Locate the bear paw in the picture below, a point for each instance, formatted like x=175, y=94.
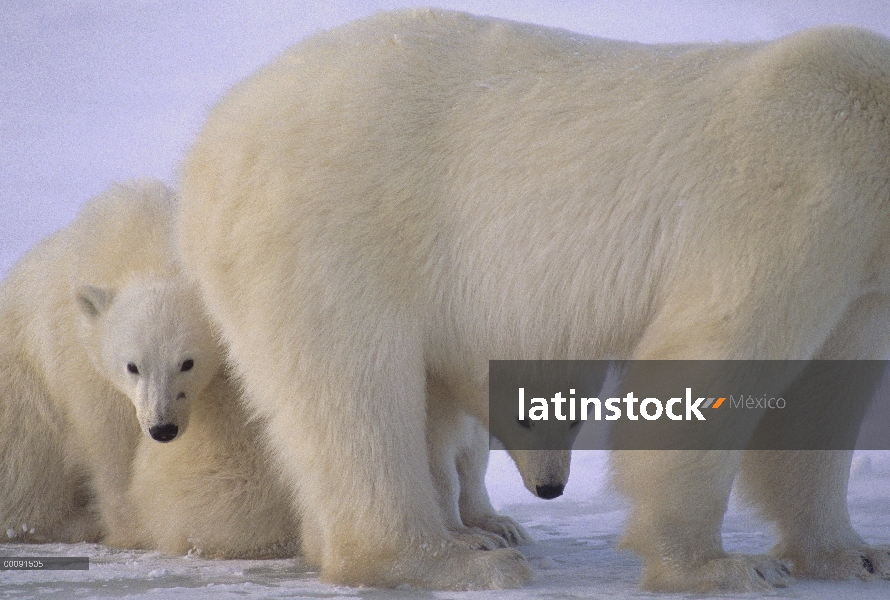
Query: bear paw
x=496, y=570
x=731, y=573
x=855, y=562
x=505, y=528
x=474, y=538
x=444, y=567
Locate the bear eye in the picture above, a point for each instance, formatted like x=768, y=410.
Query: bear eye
x=132, y=368
x=525, y=423
x=187, y=365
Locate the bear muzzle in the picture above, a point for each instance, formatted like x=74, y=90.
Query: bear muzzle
x=163, y=433
x=549, y=491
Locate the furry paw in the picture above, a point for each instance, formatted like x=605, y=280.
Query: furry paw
x=730, y=573
x=511, y=532
x=475, y=538
x=436, y=566
x=856, y=562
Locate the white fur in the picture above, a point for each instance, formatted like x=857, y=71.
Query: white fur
x=77, y=313
x=212, y=491
x=66, y=464
x=152, y=342
x=458, y=452
x=423, y=191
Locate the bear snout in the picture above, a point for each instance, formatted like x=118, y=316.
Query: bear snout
x=549, y=491
x=163, y=433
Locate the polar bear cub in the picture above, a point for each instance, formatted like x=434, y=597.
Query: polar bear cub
x=212, y=490
x=65, y=467
x=208, y=487
x=107, y=354
x=152, y=342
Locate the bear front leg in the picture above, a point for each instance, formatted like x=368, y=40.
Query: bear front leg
x=458, y=455
x=352, y=446
x=447, y=437
x=475, y=506
x=107, y=433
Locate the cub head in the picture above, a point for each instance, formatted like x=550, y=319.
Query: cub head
x=541, y=450
x=545, y=472
x=536, y=421
x=153, y=343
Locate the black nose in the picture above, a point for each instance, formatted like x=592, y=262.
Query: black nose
x=165, y=433
x=549, y=492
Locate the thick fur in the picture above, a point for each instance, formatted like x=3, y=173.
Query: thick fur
x=76, y=433
x=81, y=308
x=458, y=451
x=212, y=491
x=417, y=193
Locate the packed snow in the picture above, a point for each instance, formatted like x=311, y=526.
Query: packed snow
x=574, y=555
x=93, y=92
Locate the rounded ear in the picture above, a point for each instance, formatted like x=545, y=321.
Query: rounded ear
x=92, y=300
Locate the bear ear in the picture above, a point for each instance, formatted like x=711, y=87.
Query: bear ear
x=92, y=300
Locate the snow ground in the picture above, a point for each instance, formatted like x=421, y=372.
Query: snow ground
x=93, y=92
x=574, y=555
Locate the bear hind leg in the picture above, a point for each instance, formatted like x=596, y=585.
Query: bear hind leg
x=805, y=491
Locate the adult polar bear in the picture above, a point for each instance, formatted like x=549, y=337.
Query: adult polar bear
x=417, y=193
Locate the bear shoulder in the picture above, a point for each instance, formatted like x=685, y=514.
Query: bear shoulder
x=831, y=66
